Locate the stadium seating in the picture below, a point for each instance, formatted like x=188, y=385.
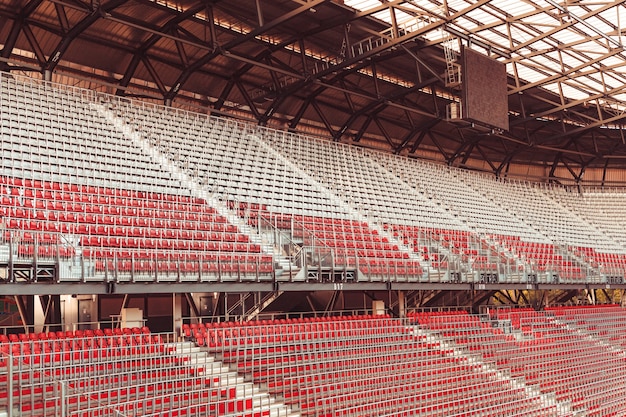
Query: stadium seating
x=434, y=222
x=123, y=232
x=546, y=351
x=121, y=372
x=565, y=361
x=365, y=366
x=119, y=224
x=351, y=244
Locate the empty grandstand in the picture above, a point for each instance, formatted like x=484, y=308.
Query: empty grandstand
x=312, y=208
x=514, y=362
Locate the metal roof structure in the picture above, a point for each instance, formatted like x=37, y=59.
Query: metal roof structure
x=368, y=72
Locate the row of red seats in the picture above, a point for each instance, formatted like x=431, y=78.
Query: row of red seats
x=41, y=219
x=168, y=244
x=254, y=211
x=341, y=366
x=181, y=256
x=112, y=371
x=230, y=267
x=128, y=226
x=30, y=206
x=151, y=260
x=349, y=258
x=18, y=183
x=135, y=227
x=292, y=325
x=386, y=271
x=225, y=243
x=349, y=238
x=602, y=260
x=68, y=334
x=555, y=356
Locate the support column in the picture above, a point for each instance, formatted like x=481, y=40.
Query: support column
x=401, y=304
x=39, y=312
x=26, y=307
x=48, y=313
x=177, y=312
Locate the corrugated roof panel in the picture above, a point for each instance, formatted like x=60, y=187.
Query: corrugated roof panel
x=495, y=37
x=541, y=20
x=530, y=74
x=574, y=92
x=513, y=8
x=484, y=17
x=465, y=23
x=594, y=85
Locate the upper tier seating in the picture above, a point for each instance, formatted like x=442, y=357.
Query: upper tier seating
x=454, y=225
x=603, y=209
x=106, y=220
x=237, y=168
x=352, y=244
x=449, y=187
x=123, y=232
x=350, y=174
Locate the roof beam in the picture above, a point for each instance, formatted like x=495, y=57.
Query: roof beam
x=588, y=127
x=154, y=74
x=583, y=22
x=247, y=99
x=421, y=129
x=32, y=40
x=180, y=47
x=323, y=117
x=565, y=74
x=16, y=27
x=564, y=26
x=298, y=116
x=363, y=129
x=187, y=72
x=73, y=33
x=397, y=41
x=391, y=45
x=418, y=141
x=561, y=107
x=401, y=92
x=485, y=158
x=441, y=149
x=62, y=16
x=407, y=138
x=156, y=36
x=384, y=132
x=10, y=43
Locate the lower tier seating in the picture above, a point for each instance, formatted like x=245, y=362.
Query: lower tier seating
x=128, y=372
x=522, y=362
x=549, y=350
x=365, y=366
x=339, y=242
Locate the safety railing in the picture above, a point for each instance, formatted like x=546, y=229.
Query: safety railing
x=325, y=366
x=84, y=258
x=60, y=376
